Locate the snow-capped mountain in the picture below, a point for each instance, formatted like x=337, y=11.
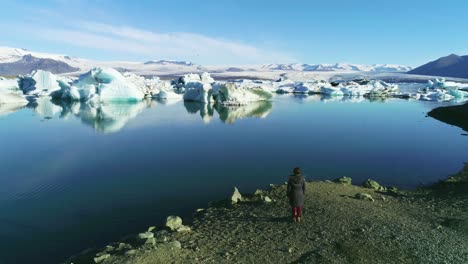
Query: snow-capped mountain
x=346, y=67
x=170, y=62
x=18, y=61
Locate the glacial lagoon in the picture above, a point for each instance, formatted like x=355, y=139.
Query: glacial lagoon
x=77, y=175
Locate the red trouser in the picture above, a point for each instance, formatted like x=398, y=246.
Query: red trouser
x=297, y=211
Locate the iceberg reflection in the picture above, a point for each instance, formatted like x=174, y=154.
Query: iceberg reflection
x=104, y=118
x=229, y=114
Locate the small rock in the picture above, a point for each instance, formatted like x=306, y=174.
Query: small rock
x=151, y=228
x=130, y=252
x=236, y=196
x=364, y=196
x=371, y=184
x=343, y=180
x=151, y=241
x=173, y=222
x=100, y=259
x=267, y=199
x=200, y=210
x=258, y=192
x=184, y=229
x=146, y=235
x=175, y=244
x=290, y=250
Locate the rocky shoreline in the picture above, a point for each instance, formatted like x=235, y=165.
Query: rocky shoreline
x=342, y=223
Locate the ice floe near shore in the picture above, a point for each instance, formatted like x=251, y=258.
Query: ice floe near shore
x=441, y=90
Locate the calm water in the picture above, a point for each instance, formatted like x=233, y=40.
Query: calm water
x=75, y=176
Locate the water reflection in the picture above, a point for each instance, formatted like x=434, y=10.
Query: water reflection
x=206, y=110
x=105, y=118
x=230, y=114
x=6, y=109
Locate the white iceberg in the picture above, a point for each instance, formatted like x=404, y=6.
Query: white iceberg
x=330, y=90
x=104, y=85
x=197, y=87
x=441, y=90
x=230, y=94
x=38, y=83
x=12, y=98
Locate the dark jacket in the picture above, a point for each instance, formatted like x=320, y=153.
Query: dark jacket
x=296, y=190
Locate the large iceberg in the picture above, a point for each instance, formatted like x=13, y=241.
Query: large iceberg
x=196, y=87
x=230, y=94
x=38, y=83
x=104, y=85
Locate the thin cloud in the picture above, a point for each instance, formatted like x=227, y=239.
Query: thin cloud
x=174, y=45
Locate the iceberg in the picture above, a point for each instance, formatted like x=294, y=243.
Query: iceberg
x=230, y=94
x=38, y=83
x=196, y=87
x=103, y=85
x=331, y=90
x=441, y=90
x=12, y=98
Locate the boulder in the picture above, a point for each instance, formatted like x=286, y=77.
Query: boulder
x=146, y=235
x=364, y=196
x=236, y=196
x=258, y=192
x=371, y=184
x=101, y=258
x=184, y=229
x=175, y=245
x=173, y=222
x=267, y=199
x=343, y=180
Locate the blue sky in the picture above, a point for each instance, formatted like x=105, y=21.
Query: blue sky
x=239, y=31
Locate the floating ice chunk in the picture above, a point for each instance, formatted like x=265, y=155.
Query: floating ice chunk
x=12, y=98
x=39, y=83
x=308, y=87
x=196, y=87
x=230, y=94
x=331, y=91
x=163, y=94
x=103, y=84
x=441, y=90
x=198, y=92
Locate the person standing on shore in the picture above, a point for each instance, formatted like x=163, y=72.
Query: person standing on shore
x=295, y=193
